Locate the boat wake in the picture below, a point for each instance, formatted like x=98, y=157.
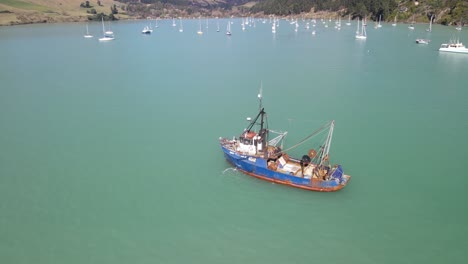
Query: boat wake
x=229, y=170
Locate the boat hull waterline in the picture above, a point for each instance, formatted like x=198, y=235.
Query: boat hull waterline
x=256, y=167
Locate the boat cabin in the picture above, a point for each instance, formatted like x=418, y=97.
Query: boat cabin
x=251, y=142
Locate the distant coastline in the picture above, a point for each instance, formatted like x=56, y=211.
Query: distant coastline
x=20, y=12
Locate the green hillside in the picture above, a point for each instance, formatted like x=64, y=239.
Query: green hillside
x=446, y=12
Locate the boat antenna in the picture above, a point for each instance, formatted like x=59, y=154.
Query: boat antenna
x=260, y=96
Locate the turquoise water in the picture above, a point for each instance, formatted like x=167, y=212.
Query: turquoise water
x=109, y=151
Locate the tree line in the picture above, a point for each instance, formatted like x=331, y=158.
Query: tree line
x=444, y=11
x=448, y=10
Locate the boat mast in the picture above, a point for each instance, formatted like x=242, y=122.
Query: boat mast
x=260, y=95
x=326, y=148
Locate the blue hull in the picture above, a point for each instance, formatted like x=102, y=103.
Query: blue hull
x=257, y=167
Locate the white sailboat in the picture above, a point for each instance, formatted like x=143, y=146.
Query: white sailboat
x=273, y=27
x=394, y=22
x=181, y=28
x=380, y=19
x=411, y=26
x=109, y=31
x=173, y=22
x=199, y=32
x=459, y=28
x=217, y=21
x=362, y=34
x=349, y=21
x=430, y=24
x=87, y=33
x=106, y=37
x=228, y=29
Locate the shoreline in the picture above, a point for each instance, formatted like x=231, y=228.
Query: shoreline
x=26, y=18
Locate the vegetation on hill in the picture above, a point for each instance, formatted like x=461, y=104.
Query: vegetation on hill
x=444, y=11
x=33, y=11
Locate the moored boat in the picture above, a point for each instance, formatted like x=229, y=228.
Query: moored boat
x=256, y=154
x=146, y=30
x=456, y=47
x=423, y=41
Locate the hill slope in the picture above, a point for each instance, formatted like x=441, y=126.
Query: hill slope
x=44, y=11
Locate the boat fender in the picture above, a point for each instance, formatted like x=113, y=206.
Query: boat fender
x=312, y=153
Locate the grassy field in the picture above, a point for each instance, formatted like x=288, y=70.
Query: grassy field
x=40, y=11
x=16, y=4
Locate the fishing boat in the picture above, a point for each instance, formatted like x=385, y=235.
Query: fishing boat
x=456, y=47
x=256, y=154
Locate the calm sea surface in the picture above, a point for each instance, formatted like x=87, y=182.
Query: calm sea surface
x=109, y=151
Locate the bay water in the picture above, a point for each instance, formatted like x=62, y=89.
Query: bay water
x=110, y=154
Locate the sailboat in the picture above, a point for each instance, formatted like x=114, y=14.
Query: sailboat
x=199, y=32
x=430, y=24
x=349, y=21
x=412, y=24
x=181, y=28
x=459, y=28
x=273, y=27
x=362, y=34
x=380, y=19
x=87, y=33
x=394, y=22
x=109, y=31
x=257, y=154
x=217, y=22
x=173, y=22
x=106, y=37
x=228, y=29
